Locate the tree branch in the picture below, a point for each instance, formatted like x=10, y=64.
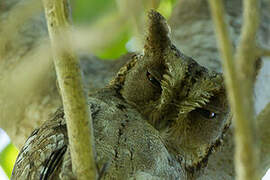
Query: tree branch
x=264, y=135
x=246, y=150
x=240, y=97
x=263, y=52
x=224, y=44
x=77, y=113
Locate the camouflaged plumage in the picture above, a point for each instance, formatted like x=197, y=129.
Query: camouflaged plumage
x=160, y=118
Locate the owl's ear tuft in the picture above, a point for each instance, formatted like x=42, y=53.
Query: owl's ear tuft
x=157, y=38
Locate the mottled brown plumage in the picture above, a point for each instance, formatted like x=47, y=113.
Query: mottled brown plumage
x=160, y=117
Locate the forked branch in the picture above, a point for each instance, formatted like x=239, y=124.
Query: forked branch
x=240, y=97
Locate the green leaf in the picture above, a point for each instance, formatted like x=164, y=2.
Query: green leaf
x=7, y=158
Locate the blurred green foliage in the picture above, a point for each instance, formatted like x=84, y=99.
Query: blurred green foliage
x=85, y=11
x=7, y=158
x=165, y=7
x=117, y=47
x=88, y=11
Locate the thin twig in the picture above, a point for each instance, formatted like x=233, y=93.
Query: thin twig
x=77, y=113
x=240, y=96
x=261, y=52
x=224, y=45
x=262, y=121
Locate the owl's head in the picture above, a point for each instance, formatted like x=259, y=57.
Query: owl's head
x=183, y=100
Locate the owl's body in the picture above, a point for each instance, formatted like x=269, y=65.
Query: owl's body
x=160, y=118
x=121, y=137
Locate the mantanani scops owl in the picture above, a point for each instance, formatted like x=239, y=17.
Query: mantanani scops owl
x=159, y=118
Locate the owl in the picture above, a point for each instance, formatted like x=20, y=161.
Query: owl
x=160, y=118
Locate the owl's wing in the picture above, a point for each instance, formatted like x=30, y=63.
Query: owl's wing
x=43, y=151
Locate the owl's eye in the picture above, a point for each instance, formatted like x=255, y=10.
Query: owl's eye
x=206, y=113
x=152, y=79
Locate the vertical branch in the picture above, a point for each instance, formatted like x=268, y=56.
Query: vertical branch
x=263, y=124
x=246, y=152
x=240, y=85
x=263, y=52
x=225, y=47
x=77, y=113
